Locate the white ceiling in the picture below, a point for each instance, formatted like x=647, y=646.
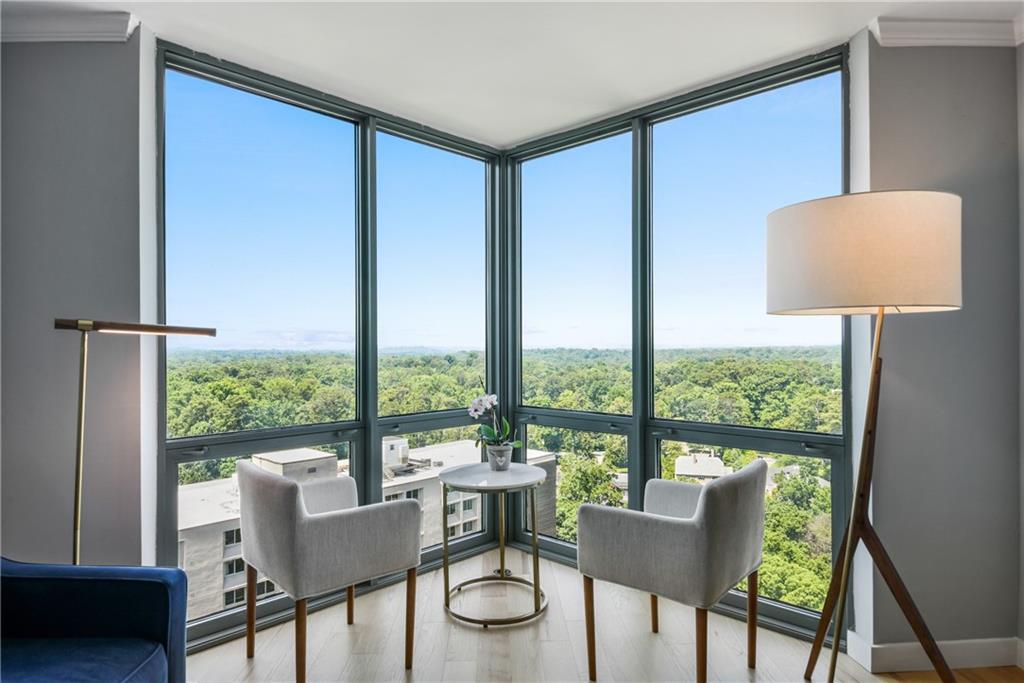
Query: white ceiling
x=502, y=73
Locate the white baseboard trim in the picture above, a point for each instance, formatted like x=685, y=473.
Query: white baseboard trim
x=960, y=654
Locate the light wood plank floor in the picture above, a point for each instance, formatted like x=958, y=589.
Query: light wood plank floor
x=552, y=648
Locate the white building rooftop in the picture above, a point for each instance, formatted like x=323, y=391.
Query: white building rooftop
x=701, y=465
x=211, y=502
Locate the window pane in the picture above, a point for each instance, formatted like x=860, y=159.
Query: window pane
x=797, y=562
x=209, y=531
x=717, y=173
x=431, y=277
x=576, y=227
x=411, y=464
x=260, y=243
x=583, y=467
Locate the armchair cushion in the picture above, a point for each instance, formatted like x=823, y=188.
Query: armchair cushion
x=671, y=498
x=328, y=494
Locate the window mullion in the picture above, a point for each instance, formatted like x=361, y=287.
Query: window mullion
x=367, y=464
x=640, y=468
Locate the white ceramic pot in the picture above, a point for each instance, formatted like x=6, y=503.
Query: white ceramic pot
x=499, y=457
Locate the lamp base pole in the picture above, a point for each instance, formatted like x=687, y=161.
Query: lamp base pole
x=861, y=529
x=83, y=367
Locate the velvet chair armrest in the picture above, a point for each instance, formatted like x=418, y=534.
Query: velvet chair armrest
x=66, y=601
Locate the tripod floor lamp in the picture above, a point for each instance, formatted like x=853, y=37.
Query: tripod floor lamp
x=860, y=254
x=86, y=327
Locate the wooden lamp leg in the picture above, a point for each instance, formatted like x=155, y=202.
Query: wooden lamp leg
x=860, y=529
x=350, y=604
x=654, y=613
x=827, y=608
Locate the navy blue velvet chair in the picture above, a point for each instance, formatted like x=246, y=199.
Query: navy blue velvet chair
x=66, y=623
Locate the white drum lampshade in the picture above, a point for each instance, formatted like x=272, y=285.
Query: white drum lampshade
x=852, y=254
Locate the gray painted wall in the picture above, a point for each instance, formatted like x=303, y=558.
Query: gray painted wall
x=946, y=495
x=70, y=248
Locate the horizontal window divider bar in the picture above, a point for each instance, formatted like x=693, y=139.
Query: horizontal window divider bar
x=417, y=422
x=817, y=439
x=827, y=446
x=718, y=93
x=206, y=65
x=243, y=443
x=595, y=422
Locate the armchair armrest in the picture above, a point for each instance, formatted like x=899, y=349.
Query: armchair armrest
x=66, y=601
x=328, y=494
x=671, y=498
x=344, y=547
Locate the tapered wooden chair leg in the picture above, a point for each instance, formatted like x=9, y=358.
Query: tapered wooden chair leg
x=300, y=641
x=654, y=613
x=588, y=613
x=250, y=611
x=702, y=645
x=752, y=620
x=410, y=615
x=350, y=604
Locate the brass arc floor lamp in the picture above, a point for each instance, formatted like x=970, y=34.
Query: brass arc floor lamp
x=85, y=327
x=860, y=254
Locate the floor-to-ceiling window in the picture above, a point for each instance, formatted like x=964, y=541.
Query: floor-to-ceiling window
x=719, y=359
x=644, y=347
x=260, y=237
x=576, y=353
x=366, y=284
x=344, y=262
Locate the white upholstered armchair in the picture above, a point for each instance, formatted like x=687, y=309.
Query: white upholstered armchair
x=691, y=544
x=312, y=538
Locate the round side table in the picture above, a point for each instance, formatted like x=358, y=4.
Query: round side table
x=480, y=478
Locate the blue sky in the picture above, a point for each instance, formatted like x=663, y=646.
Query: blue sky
x=261, y=226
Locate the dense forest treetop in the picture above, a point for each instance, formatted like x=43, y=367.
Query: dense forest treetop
x=797, y=388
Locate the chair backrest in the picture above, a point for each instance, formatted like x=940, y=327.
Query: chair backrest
x=733, y=510
x=270, y=513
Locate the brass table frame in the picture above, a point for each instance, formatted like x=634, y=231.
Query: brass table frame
x=540, y=600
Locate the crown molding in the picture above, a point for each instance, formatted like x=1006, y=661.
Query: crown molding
x=63, y=26
x=913, y=33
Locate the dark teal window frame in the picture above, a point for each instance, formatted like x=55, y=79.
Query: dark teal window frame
x=364, y=433
x=644, y=432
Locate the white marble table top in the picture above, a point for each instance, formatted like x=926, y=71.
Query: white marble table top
x=480, y=477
